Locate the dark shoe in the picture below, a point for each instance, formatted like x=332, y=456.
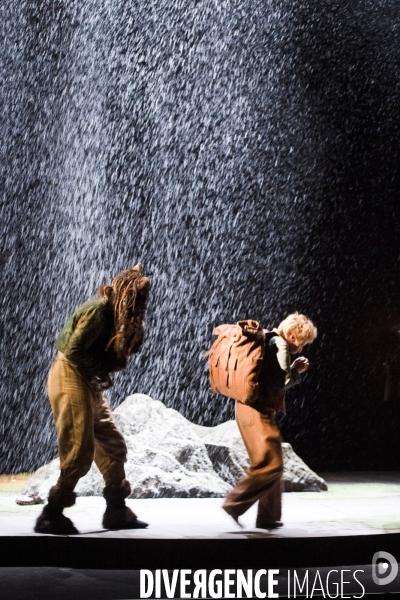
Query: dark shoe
x=122, y=518
x=266, y=523
x=54, y=522
x=230, y=512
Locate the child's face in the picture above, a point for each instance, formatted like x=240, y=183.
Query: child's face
x=295, y=345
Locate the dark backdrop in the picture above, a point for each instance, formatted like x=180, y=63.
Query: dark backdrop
x=247, y=153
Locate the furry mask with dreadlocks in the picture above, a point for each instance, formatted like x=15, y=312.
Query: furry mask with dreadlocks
x=128, y=293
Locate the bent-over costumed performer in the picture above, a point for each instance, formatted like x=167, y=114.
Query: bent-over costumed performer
x=257, y=424
x=96, y=341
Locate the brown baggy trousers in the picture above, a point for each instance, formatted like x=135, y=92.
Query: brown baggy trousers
x=85, y=428
x=262, y=439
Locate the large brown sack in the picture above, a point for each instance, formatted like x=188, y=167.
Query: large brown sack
x=235, y=360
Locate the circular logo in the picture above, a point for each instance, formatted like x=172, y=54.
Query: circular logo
x=385, y=571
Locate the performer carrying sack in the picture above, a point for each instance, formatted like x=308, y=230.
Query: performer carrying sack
x=254, y=367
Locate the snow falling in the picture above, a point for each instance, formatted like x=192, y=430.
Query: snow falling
x=246, y=153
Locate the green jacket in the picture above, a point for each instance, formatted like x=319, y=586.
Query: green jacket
x=85, y=336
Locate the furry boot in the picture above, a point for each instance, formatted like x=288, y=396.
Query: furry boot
x=118, y=515
x=51, y=520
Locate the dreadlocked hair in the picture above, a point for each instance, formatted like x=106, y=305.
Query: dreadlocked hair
x=128, y=294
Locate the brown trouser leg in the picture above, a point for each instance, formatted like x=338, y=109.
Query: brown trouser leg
x=110, y=448
x=85, y=428
x=263, y=480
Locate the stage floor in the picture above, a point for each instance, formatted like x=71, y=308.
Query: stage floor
x=344, y=525
x=355, y=504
